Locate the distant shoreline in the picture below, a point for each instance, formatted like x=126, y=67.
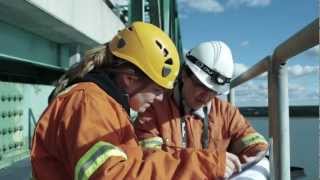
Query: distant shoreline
x=294, y=111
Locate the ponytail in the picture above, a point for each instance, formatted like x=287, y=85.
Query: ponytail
x=99, y=57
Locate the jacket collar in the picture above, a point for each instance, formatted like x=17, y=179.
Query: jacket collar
x=104, y=82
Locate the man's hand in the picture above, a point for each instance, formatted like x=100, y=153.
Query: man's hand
x=232, y=164
x=249, y=159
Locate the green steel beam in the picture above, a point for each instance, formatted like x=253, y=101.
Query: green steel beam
x=162, y=13
x=14, y=69
x=165, y=15
x=178, y=40
x=176, y=32
x=27, y=57
x=136, y=10
x=173, y=15
x=23, y=44
x=155, y=13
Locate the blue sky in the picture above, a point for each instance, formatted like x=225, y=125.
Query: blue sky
x=253, y=29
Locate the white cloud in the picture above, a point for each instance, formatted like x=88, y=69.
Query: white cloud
x=238, y=69
x=253, y=89
x=203, y=5
x=301, y=70
x=263, y=75
x=252, y=93
x=294, y=71
x=296, y=88
x=255, y=92
x=244, y=43
x=313, y=52
x=214, y=6
x=248, y=3
x=301, y=92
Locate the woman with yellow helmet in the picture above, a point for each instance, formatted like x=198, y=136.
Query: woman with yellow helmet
x=85, y=132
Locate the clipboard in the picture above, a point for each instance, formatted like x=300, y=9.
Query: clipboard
x=250, y=164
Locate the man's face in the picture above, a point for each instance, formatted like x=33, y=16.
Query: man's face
x=194, y=92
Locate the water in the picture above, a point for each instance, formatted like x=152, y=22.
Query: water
x=304, y=142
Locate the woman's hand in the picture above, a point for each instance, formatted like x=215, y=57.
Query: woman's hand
x=233, y=164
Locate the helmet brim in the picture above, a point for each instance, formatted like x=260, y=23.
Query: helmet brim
x=205, y=79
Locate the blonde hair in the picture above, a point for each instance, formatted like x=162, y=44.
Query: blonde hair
x=99, y=57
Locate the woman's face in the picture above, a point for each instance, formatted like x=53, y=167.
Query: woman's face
x=143, y=99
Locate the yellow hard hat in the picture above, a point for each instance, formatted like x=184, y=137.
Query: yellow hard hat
x=150, y=49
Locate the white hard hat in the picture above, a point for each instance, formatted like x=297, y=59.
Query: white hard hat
x=212, y=63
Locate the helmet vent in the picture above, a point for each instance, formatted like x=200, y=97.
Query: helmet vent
x=166, y=71
x=159, y=44
x=121, y=43
x=169, y=61
x=165, y=52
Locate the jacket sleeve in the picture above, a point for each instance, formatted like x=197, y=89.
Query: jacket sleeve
x=100, y=143
x=245, y=140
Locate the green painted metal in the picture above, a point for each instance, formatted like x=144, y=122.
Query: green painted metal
x=22, y=47
x=136, y=10
x=178, y=40
x=18, y=114
x=162, y=13
x=155, y=13
x=23, y=44
x=64, y=52
x=11, y=138
x=14, y=69
x=165, y=8
x=173, y=17
x=32, y=60
x=26, y=57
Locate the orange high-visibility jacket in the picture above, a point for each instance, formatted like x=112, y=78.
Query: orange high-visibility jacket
x=228, y=129
x=86, y=134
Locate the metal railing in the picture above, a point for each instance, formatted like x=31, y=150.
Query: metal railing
x=275, y=64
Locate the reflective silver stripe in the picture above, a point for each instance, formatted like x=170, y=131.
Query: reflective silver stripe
x=205, y=132
x=154, y=142
x=94, y=158
x=183, y=128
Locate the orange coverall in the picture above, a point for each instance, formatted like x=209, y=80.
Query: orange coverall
x=228, y=130
x=86, y=134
